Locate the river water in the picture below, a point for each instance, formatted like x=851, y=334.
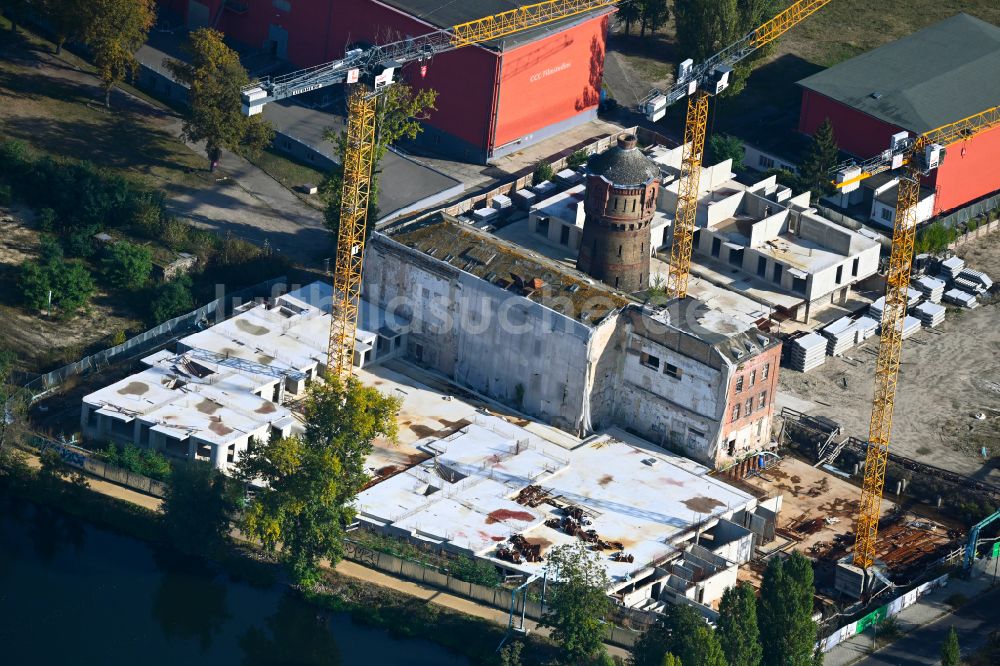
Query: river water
x=72, y=593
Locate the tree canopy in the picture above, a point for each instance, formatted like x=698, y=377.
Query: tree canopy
x=683, y=634
x=400, y=112
x=737, y=626
x=127, y=266
x=951, y=654
x=69, y=282
x=214, y=115
x=310, y=481
x=171, y=299
x=723, y=147
x=784, y=611
x=114, y=32
x=704, y=27
x=577, y=603
x=68, y=19
x=197, y=507
x=815, y=171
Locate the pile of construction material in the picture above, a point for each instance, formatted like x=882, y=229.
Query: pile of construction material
x=845, y=332
x=973, y=282
x=525, y=198
x=808, y=352
x=875, y=309
x=502, y=202
x=950, y=268
x=931, y=288
x=930, y=314
x=910, y=326
x=962, y=298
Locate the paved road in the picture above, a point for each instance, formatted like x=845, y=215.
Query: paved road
x=922, y=646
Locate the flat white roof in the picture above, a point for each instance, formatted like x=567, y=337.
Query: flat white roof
x=563, y=205
x=464, y=496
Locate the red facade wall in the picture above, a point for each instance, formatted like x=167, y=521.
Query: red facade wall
x=542, y=83
x=551, y=80
x=770, y=358
x=971, y=169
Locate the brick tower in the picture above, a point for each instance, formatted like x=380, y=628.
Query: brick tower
x=622, y=184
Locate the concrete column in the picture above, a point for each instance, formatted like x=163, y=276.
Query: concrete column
x=219, y=455
x=192, y=448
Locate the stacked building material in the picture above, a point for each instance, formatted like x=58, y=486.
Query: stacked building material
x=808, y=352
x=929, y=314
x=840, y=335
x=950, y=268
x=525, y=198
x=910, y=326
x=977, y=277
x=502, y=202
x=865, y=327
x=481, y=215
x=569, y=177
x=875, y=309
x=931, y=288
x=959, y=297
x=546, y=188
x=968, y=285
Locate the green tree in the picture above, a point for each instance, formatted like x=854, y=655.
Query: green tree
x=951, y=654
x=577, y=603
x=704, y=27
x=214, y=113
x=630, y=13
x=510, y=655
x=820, y=161
x=171, y=299
x=653, y=15
x=15, y=11
x=577, y=158
x=127, y=266
x=68, y=281
x=400, y=114
x=737, y=626
x=67, y=18
x=671, y=660
x=751, y=14
x=197, y=508
x=683, y=633
x=784, y=613
x=723, y=147
x=114, y=32
x=310, y=481
x=543, y=172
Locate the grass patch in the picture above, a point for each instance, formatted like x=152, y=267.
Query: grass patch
x=290, y=173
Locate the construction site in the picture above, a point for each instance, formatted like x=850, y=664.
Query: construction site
x=690, y=368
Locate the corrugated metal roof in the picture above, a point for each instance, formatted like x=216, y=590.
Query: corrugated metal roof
x=943, y=73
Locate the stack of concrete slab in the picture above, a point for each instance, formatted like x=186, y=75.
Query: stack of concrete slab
x=963, y=298
x=865, y=327
x=968, y=286
x=502, y=202
x=544, y=189
x=525, y=198
x=485, y=215
x=840, y=336
x=977, y=277
x=950, y=268
x=931, y=288
x=910, y=326
x=808, y=352
x=929, y=314
x=875, y=309
x=569, y=177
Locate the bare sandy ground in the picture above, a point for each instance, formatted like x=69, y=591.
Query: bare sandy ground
x=948, y=378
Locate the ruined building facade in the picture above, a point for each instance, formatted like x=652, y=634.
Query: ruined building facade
x=622, y=186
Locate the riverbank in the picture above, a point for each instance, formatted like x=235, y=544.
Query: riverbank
x=363, y=599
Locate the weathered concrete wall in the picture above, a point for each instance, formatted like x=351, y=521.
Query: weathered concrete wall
x=491, y=340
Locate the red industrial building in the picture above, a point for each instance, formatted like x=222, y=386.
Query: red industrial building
x=493, y=99
x=939, y=75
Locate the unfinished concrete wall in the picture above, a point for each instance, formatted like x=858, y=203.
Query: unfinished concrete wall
x=484, y=337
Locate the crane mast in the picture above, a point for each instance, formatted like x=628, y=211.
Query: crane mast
x=918, y=156
x=698, y=83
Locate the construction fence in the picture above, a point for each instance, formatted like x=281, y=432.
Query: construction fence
x=504, y=599
x=86, y=460
x=212, y=312
x=880, y=614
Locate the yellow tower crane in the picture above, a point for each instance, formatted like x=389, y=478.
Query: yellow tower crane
x=698, y=83
x=370, y=71
x=918, y=156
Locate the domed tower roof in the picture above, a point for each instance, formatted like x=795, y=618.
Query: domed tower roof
x=624, y=165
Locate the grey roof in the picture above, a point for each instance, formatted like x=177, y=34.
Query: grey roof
x=447, y=13
x=943, y=73
x=623, y=166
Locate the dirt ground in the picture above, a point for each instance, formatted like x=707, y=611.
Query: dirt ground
x=40, y=341
x=949, y=378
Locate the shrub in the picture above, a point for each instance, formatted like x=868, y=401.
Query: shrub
x=577, y=158
x=174, y=233
x=127, y=266
x=543, y=172
x=5, y=195
x=47, y=219
x=475, y=571
x=69, y=282
x=140, y=461
x=723, y=147
x=171, y=299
